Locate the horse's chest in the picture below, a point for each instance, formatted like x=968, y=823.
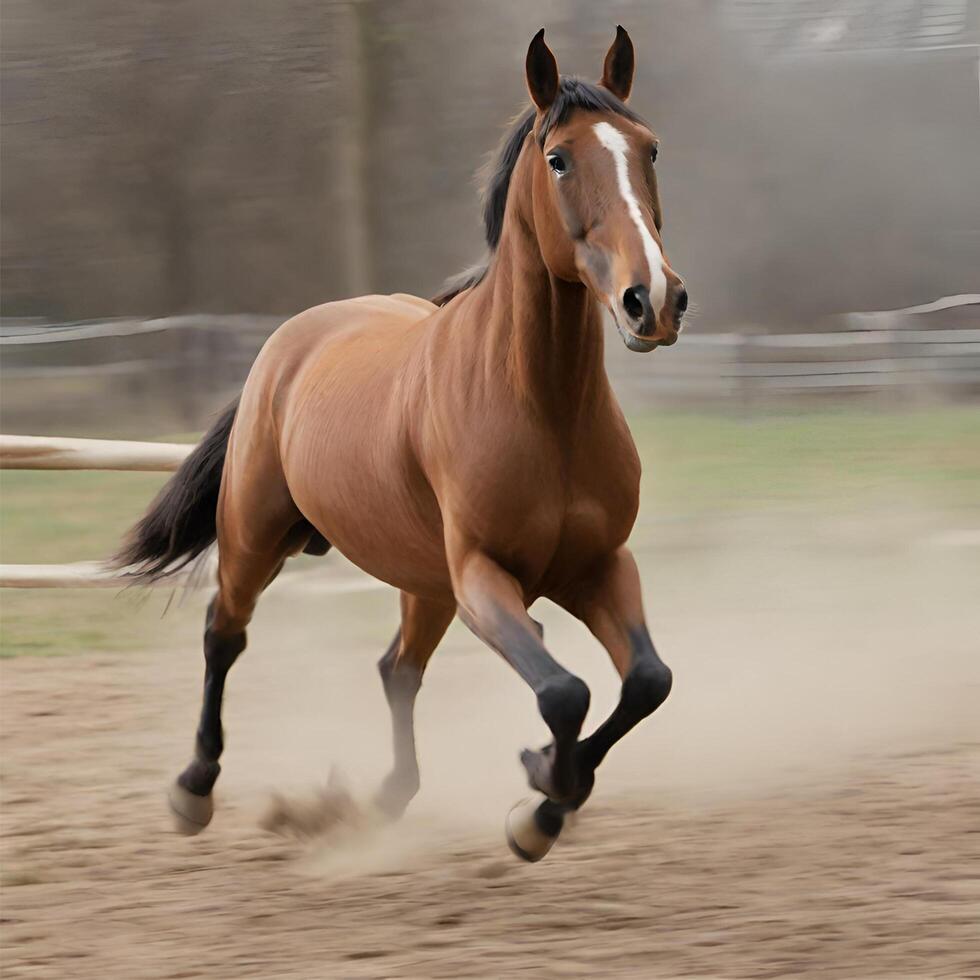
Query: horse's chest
x=591, y=527
x=543, y=514
x=584, y=523
x=574, y=538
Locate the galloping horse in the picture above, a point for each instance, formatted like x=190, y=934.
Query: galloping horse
x=468, y=451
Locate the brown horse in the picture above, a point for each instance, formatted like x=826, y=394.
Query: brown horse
x=469, y=452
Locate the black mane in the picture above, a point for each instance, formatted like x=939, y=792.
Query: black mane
x=573, y=93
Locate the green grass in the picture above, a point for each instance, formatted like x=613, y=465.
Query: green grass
x=52, y=622
x=836, y=459
x=695, y=463
x=63, y=516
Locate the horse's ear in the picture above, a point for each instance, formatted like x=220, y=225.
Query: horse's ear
x=542, y=72
x=617, y=70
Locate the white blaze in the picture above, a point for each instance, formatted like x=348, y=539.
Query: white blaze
x=614, y=141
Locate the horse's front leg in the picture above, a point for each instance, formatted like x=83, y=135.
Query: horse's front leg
x=609, y=602
x=492, y=604
x=611, y=605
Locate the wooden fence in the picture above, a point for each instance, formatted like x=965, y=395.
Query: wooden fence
x=173, y=371
x=39, y=453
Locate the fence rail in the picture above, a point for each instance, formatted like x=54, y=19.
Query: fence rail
x=75, y=575
x=178, y=363
x=940, y=363
x=44, y=453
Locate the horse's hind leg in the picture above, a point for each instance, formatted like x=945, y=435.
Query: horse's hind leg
x=423, y=625
x=257, y=531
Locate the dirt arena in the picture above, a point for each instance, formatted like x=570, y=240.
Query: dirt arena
x=806, y=804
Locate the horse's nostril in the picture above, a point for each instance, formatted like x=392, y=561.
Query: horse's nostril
x=633, y=302
x=680, y=304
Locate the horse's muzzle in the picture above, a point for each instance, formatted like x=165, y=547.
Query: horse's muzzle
x=643, y=328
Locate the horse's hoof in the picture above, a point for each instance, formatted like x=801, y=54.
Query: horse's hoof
x=524, y=834
x=192, y=813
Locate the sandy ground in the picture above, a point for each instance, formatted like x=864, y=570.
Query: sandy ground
x=807, y=803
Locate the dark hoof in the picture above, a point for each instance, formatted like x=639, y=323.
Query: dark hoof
x=524, y=834
x=192, y=813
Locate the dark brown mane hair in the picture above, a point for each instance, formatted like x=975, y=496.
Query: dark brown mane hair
x=573, y=93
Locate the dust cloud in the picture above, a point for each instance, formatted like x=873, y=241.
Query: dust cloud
x=804, y=802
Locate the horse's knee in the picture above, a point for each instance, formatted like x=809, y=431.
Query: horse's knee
x=646, y=686
x=564, y=702
x=233, y=605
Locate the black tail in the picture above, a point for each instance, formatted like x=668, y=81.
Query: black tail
x=181, y=522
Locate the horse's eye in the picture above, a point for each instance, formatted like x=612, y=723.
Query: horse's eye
x=653, y=155
x=557, y=164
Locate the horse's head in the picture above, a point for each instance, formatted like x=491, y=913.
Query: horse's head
x=596, y=210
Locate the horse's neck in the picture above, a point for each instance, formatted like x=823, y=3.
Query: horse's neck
x=542, y=334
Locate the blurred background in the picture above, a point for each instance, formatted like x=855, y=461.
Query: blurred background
x=189, y=157
x=179, y=177
x=164, y=159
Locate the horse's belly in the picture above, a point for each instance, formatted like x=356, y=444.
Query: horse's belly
x=385, y=521
x=409, y=558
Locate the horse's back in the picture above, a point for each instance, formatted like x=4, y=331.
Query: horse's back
x=359, y=335
x=304, y=335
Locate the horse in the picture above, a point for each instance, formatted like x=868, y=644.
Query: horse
x=468, y=451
